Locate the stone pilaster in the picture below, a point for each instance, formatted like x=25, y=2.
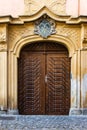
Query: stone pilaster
x=3, y=67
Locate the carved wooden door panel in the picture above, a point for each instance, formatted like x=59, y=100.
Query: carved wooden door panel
x=58, y=84
x=44, y=80
x=31, y=84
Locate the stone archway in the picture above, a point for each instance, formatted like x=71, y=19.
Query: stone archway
x=15, y=53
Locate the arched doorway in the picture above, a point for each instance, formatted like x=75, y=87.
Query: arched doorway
x=44, y=79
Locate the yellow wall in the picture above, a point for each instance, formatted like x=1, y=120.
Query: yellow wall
x=17, y=32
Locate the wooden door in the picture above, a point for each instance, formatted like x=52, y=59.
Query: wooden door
x=44, y=81
x=58, y=84
x=31, y=84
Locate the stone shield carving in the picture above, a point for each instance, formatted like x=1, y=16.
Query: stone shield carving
x=45, y=28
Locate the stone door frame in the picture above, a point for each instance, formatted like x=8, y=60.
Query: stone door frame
x=14, y=54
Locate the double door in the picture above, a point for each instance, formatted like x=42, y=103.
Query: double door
x=43, y=84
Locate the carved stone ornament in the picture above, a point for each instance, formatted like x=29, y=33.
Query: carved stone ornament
x=45, y=27
x=3, y=47
x=56, y=6
x=2, y=37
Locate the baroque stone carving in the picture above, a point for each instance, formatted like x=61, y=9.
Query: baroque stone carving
x=45, y=27
x=3, y=33
x=71, y=33
x=2, y=36
x=85, y=34
x=84, y=37
x=31, y=6
x=57, y=6
x=3, y=47
x=17, y=32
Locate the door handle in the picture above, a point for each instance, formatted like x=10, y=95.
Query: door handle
x=46, y=78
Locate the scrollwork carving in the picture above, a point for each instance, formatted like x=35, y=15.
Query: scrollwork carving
x=3, y=47
x=57, y=6
x=16, y=33
x=31, y=7
x=2, y=37
x=85, y=35
x=3, y=33
x=71, y=33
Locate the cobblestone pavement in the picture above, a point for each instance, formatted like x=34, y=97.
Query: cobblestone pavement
x=43, y=122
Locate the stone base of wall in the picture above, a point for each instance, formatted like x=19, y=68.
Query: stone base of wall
x=3, y=112
x=73, y=111
x=12, y=112
x=78, y=111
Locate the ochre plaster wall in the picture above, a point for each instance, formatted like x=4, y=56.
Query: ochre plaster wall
x=17, y=32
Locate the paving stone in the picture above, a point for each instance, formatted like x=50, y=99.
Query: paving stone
x=43, y=122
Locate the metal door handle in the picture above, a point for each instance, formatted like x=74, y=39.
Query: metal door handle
x=46, y=78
